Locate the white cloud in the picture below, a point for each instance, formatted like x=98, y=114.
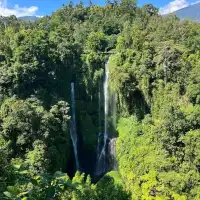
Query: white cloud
x=174, y=6
x=16, y=10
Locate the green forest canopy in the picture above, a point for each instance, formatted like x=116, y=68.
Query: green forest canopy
x=155, y=72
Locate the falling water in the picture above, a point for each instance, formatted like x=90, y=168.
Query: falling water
x=101, y=160
x=73, y=131
x=112, y=152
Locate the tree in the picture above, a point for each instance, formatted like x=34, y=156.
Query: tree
x=128, y=7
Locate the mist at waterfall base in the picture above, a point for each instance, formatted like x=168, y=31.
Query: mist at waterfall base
x=106, y=143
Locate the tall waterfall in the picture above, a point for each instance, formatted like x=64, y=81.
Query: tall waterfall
x=73, y=131
x=101, y=154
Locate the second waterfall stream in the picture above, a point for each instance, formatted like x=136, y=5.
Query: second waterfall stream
x=73, y=130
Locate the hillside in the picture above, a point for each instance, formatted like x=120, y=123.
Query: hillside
x=191, y=12
x=29, y=18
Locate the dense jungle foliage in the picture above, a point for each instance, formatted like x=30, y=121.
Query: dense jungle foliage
x=154, y=70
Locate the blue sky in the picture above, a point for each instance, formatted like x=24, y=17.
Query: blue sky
x=46, y=7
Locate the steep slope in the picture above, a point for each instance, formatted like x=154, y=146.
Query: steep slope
x=191, y=12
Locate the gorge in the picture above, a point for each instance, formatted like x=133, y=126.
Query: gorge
x=105, y=147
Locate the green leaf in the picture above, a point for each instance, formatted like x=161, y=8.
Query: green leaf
x=23, y=172
x=8, y=194
x=17, y=166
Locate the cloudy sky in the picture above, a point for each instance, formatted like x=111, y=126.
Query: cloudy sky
x=46, y=7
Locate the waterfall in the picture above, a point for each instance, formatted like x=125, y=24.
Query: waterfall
x=112, y=151
x=106, y=148
x=73, y=131
x=101, y=154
